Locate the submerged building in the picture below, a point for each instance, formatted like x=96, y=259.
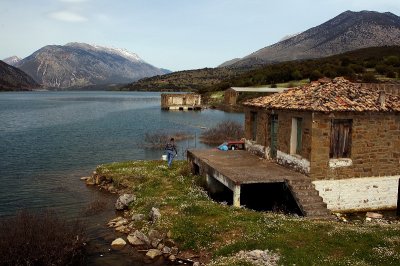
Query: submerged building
x=186, y=101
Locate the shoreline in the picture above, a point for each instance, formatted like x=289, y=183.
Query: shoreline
x=203, y=231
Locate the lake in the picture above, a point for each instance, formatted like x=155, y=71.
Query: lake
x=48, y=140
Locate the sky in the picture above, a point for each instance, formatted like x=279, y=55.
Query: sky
x=171, y=34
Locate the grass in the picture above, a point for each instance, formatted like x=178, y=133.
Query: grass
x=197, y=223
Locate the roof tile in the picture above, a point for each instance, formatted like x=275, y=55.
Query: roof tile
x=339, y=95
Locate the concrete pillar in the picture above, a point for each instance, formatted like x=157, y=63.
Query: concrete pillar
x=236, y=196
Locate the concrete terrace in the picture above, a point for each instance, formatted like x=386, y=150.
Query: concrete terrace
x=236, y=168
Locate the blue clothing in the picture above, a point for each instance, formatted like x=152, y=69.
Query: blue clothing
x=171, y=149
x=223, y=147
x=170, y=157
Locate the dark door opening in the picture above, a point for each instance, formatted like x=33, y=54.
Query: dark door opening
x=274, y=197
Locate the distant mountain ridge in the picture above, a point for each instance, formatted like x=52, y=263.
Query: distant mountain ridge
x=12, y=60
x=346, y=32
x=82, y=65
x=14, y=79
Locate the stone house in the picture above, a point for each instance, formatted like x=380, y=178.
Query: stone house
x=232, y=94
x=345, y=136
x=182, y=101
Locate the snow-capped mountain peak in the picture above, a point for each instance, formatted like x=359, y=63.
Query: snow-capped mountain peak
x=111, y=50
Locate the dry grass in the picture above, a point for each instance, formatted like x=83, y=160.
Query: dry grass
x=224, y=131
x=40, y=239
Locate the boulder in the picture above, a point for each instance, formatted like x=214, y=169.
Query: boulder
x=154, y=214
x=153, y=253
x=118, y=243
x=120, y=222
x=166, y=250
x=138, y=239
x=134, y=241
x=172, y=258
x=155, y=242
x=123, y=201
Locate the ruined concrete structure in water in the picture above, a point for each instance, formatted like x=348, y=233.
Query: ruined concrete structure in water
x=344, y=136
x=187, y=101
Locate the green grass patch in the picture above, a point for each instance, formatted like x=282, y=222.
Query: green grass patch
x=197, y=223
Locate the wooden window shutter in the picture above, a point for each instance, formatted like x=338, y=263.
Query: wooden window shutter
x=340, y=144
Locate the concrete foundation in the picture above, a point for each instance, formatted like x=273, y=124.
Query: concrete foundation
x=359, y=194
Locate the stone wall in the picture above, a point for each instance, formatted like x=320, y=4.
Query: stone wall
x=375, y=149
x=359, y=194
x=188, y=99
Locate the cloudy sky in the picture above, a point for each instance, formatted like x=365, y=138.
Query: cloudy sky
x=173, y=34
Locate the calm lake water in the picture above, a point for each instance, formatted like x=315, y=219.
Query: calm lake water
x=48, y=140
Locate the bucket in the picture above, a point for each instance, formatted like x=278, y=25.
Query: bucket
x=164, y=157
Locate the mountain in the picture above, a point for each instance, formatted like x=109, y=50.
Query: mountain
x=14, y=79
x=83, y=65
x=13, y=60
x=347, y=32
x=188, y=80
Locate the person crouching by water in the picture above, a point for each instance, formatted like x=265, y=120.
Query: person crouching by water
x=171, y=148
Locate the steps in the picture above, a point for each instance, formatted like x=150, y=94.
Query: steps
x=308, y=199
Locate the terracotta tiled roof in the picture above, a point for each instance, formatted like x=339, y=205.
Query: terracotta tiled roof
x=338, y=95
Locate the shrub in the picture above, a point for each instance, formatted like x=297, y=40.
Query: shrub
x=226, y=130
x=315, y=75
x=369, y=77
x=158, y=140
x=40, y=239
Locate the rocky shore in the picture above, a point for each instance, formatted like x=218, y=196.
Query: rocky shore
x=154, y=243
x=166, y=215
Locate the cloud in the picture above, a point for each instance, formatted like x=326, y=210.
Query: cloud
x=67, y=16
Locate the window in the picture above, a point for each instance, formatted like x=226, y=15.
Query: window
x=253, y=123
x=340, y=138
x=296, y=136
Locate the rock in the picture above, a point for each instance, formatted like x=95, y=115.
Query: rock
x=196, y=263
x=160, y=246
x=153, y=253
x=154, y=214
x=166, y=250
x=118, y=243
x=134, y=241
x=368, y=219
x=138, y=238
x=374, y=215
x=119, y=218
x=84, y=178
x=122, y=229
x=172, y=258
x=123, y=201
x=90, y=181
x=174, y=251
x=137, y=217
x=123, y=221
x=155, y=242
